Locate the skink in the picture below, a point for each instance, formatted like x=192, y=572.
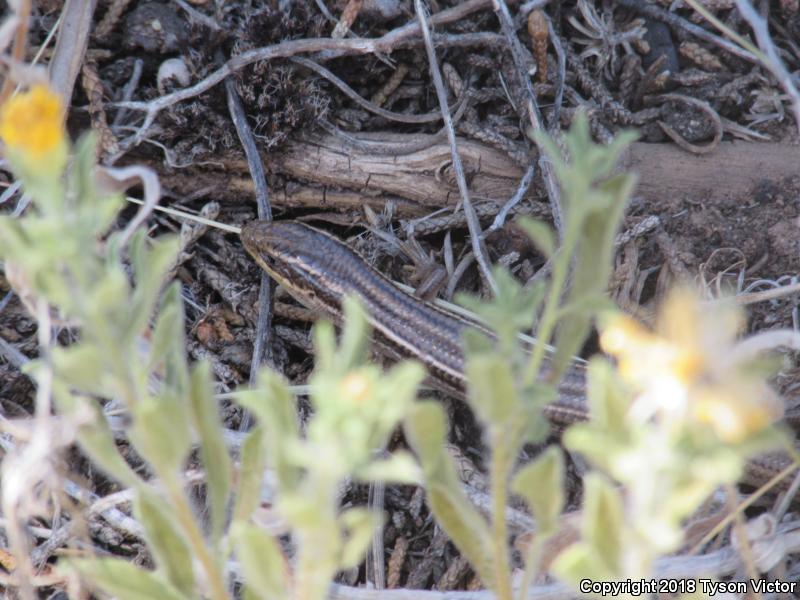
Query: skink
x=319, y=271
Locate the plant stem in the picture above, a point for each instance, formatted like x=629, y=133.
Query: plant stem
x=503, y=452
x=532, y=562
x=187, y=521
x=550, y=314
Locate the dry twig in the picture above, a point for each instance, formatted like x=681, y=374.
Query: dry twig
x=472, y=219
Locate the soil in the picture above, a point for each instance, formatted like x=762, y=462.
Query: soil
x=724, y=220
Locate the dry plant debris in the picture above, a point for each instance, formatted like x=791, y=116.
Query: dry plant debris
x=340, y=100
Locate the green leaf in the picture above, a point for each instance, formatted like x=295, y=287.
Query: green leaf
x=168, y=335
x=465, y=526
x=541, y=235
x=213, y=451
x=81, y=176
x=394, y=395
x=355, y=335
x=426, y=427
x=399, y=468
x=170, y=549
x=359, y=525
x=491, y=390
x=541, y=483
x=274, y=406
x=263, y=564
x=253, y=462
x=150, y=267
x=608, y=402
x=603, y=521
x=160, y=432
x=513, y=308
x=579, y=562
x=551, y=150
x=592, y=268
x=121, y=579
x=324, y=346
x=599, y=555
x=168, y=328
x=94, y=436
x=76, y=366
x=333, y=359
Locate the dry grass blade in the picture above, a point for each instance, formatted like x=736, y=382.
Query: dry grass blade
x=469, y=211
x=70, y=49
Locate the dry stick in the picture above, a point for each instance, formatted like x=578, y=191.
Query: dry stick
x=773, y=294
x=450, y=15
x=518, y=57
x=123, y=178
x=196, y=15
x=262, y=340
x=363, y=102
x=561, y=58
x=127, y=91
x=377, y=148
x=469, y=212
x=325, y=12
x=23, y=13
x=71, y=46
x=522, y=189
x=110, y=19
x=9, y=351
x=339, y=47
x=773, y=62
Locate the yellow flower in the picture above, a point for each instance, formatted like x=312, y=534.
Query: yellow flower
x=736, y=409
x=32, y=128
x=686, y=369
x=356, y=388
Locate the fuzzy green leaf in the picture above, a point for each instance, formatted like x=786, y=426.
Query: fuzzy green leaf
x=352, y=348
x=598, y=555
x=274, y=406
x=94, y=435
x=262, y=561
x=399, y=468
x=426, y=427
x=603, y=521
x=76, y=366
x=541, y=235
x=252, y=464
x=593, y=265
x=608, y=402
x=491, y=390
x=213, y=451
x=541, y=483
x=150, y=265
x=160, y=432
x=168, y=337
x=121, y=579
x=465, y=526
x=359, y=525
x=168, y=545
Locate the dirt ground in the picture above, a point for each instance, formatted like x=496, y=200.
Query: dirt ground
x=378, y=175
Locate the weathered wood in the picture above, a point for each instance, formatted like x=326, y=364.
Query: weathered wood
x=328, y=175
x=424, y=176
x=664, y=170
x=731, y=172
